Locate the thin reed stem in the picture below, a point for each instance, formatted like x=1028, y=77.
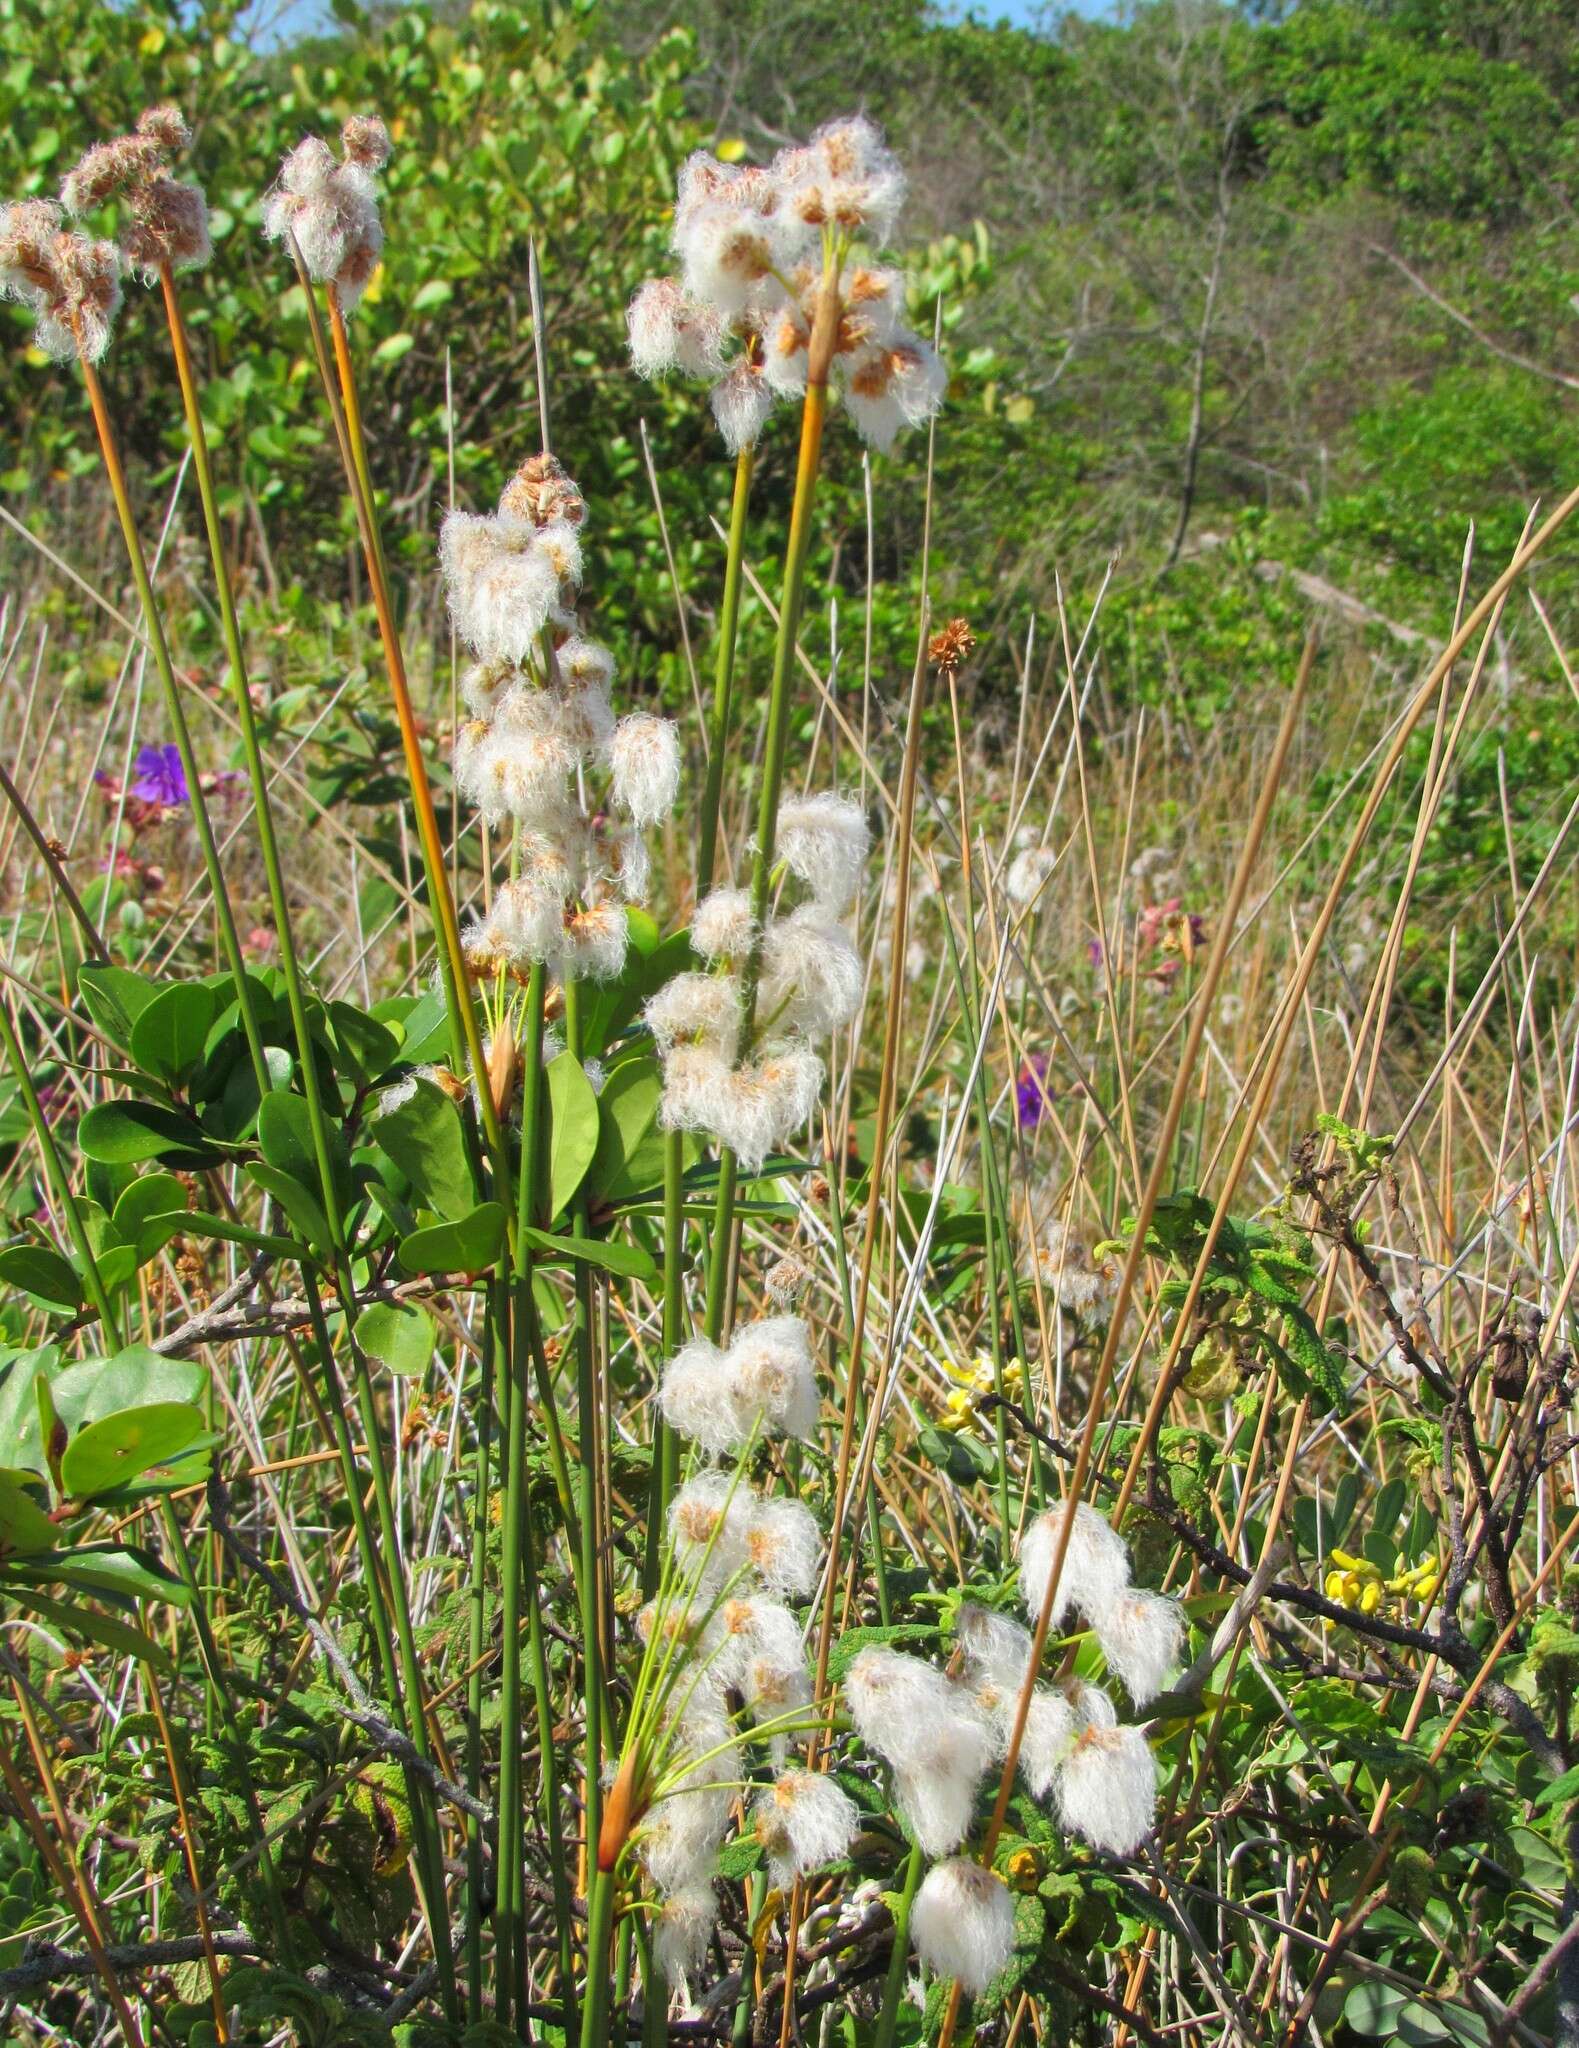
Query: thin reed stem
x=724, y=671
x=153, y=625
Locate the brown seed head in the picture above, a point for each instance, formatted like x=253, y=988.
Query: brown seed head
x=948, y=649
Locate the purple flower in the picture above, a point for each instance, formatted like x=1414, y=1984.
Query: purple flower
x=160, y=778
x=1031, y=1093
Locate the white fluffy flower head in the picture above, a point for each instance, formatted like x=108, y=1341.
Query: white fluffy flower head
x=962, y=1923
x=1096, y=1564
x=824, y=841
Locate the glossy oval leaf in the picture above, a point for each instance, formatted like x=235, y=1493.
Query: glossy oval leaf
x=629, y=1156
x=610, y=1255
x=44, y=1276
x=397, y=1334
x=169, y=1036
x=285, y=1138
x=300, y=1205
x=422, y=1134
x=24, y=1526
x=573, y=1129
x=149, y=1200
x=465, y=1246
x=136, y=1377
x=114, y=998
x=127, y=1569
x=108, y=1453
x=124, y=1133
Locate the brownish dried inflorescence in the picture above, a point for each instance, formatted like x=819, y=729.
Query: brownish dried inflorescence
x=542, y=490
x=168, y=226
x=71, y=283
x=949, y=649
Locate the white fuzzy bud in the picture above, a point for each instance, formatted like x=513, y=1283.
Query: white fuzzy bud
x=710, y=1515
x=669, y=331
x=759, y=1107
x=502, y=585
x=1028, y=873
x=700, y=1009
x=824, y=841
x=785, y=1547
x=723, y=926
x=1142, y=1636
x=697, y=1396
x=741, y=401
x=1107, y=1789
x=644, y=760
x=594, y=943
x=962, y=1923
x=804, y=1821
x=811, y=974
x=1096, y=1565
x=1051, y=1725
x=774, y=1377
x=682, y=1930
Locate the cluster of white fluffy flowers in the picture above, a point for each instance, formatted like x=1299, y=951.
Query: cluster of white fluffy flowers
x=810, y=983
x=758, y=248
x=540, y=722
x=739, y=1556
x=70, y=283
x=1101, y=1775
x=328, y=206
x=930, y=1731
x=167, y=224
x=765, y=1381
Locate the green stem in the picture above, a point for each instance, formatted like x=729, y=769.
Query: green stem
x=511, y=1908
x=792, y=592
x=724, y=671
x=591, y=1451
x=665, y=1444
x=494, y=1342
x=893, y=1988
x=595, y=2002
x=153, y=625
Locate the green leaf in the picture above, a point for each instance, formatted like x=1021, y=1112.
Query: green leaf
x=285, y=1138
x=44, y=1276
x=124, y=1133
x=301, y=1206
x=398, y=1334
x=127, y=1569
x=611, y=1256
x=108, y=1453
x=169, y=1037
x=573, y=1129
x=103, y=1629
x=144, y=1209
x=366, y=1046
x=465, y=1246
x=628, y=1160
x=422, y=1134
x=1559, y=1791
x=114, y=998
x=855, y=1640
x=24, y=1527
x=962, y=1456
x=199, y=1224
x=135, y=1377
x=20, y=1443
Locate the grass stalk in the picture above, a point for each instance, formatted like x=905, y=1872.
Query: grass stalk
x=153, y=626
x=724, y=671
